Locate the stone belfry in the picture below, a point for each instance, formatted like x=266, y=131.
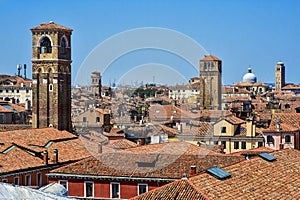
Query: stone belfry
x=210, y=82
x=51, y=76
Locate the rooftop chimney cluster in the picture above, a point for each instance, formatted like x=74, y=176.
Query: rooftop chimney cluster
x=19, y=67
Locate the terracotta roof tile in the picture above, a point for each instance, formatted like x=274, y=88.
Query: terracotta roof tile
x=256, y=179
x=50, y=26
x=25, y=147
x=289, y=122
x=122, y=144
x=152, y=161
x=181, y=189
x=210, y=57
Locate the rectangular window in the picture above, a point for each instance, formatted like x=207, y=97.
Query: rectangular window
x=260, y=144
x=63, y=183
x=27, y=91
x=12, y=91
x=223, y=144
x=236, y=145
x=142, y=188
x=6, y=91
x=39, y=179
x=115, y=190
x=243, y=145
x=216, y=142
x=84, y=119
x=16, y=180
x=1, y=91
x=88, y=189
x=27, y=180
x=18, y=91
x=223, y=129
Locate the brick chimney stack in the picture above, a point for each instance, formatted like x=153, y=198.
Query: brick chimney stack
x=45, y=157
x=55, y=156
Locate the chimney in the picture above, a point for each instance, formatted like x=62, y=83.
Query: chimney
x=179, y=128
x=55, y=156
x=184, y=177
x=19, y=69
x=25, y=71
x=278, y=122
x=250, y=128
x=45, y=157
x=99, y=147
x=193, y=170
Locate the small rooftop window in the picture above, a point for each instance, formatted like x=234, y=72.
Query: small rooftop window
x=8, y=149
x=48, y=144
x=267, y=157
x=218, y=173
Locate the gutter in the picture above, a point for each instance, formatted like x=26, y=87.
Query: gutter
x=80, y=176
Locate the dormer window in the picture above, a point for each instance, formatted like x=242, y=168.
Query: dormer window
x=45, y=46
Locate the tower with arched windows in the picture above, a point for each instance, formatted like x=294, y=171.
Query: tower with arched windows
x=51, y=76
x=211, y=82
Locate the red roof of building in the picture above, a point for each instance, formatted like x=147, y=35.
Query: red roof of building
x=256, y=179
x=181, y=189
x=289, y=122
x=150, y=161
x=50, y=26
x=22, y=149
x=210, y=57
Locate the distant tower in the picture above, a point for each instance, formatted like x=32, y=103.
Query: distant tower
x=211, y=82
x=279, y=76
x=96, y=83
x=51, y=76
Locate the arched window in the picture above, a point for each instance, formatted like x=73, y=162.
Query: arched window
x=50, y=87
x=287, y=139
x=45, y=45
x=63, y=45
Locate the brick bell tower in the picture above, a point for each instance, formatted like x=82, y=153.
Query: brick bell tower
x=51, y=76
x=211, y=82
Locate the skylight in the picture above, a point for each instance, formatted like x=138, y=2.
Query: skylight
x=218, y=173
x=267, y=157
x=48, y=144
x=9, y=149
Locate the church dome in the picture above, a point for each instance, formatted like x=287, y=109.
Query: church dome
x=249, y=77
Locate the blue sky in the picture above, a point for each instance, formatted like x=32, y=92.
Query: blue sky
x=243, y=33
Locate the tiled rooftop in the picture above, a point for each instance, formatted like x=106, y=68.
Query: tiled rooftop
x=180, y=190
x=50, y=26
x=256, y=179
x=210, y=57
x=289, y=122
x=22, y=149
x=151, y=161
